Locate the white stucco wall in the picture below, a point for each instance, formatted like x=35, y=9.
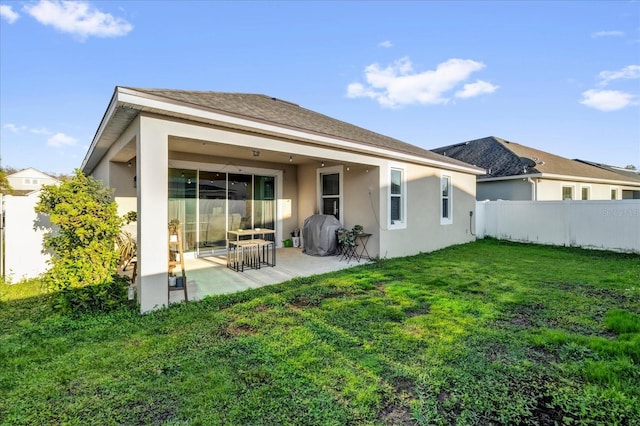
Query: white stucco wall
x=23, y=245
x=424, y=231
x=549, y=190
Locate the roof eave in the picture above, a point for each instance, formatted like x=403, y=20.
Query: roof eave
x=86, y=166
x=148, y=102
x=561, y=177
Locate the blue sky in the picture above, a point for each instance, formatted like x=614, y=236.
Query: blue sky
x=562, y=77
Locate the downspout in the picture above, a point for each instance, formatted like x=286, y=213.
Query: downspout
x=534, y=189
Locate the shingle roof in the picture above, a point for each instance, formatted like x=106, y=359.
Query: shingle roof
x=630, y=173
x=502, y=158
x=286, y=114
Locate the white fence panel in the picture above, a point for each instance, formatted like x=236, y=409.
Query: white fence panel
x=607, y=225
x=23, y=244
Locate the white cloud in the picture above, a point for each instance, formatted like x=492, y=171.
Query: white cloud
x=607, y=34
x=13, y=128
x=78, y=18
x=386, y=43
x=607, y=100
x=475, y=89
x=7, y=13
x=629, y=72
x=60, y=139
x=398, y=84
x=21, y=129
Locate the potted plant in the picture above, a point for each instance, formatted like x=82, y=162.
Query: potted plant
x=295, y=237
x=174, y=225
x=357, y=229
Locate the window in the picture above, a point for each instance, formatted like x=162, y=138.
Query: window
x=446, y=214
x=329, y=196
x=585, y=192
x=614, y=194
x=396, y=197
x=567, y=192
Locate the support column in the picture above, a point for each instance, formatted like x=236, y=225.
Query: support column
x=152, y=152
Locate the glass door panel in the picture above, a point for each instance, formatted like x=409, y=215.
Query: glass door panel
x=212, y=197
x=240, y=196
x=183, y=204
x=264, y=203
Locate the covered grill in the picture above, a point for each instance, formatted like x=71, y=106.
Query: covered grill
x=319, y=234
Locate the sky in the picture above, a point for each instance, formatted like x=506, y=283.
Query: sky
x=562, y=77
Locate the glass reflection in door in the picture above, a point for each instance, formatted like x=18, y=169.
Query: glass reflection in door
x=240, y=198
x=182, y=204
x=264, y=204
x=212, y=211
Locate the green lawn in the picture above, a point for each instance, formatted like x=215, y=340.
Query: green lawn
x=483, y=333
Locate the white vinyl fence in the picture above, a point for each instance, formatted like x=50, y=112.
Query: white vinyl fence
x=607, y=225
x=23, y=245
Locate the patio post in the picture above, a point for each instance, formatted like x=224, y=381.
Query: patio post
x=152, y=203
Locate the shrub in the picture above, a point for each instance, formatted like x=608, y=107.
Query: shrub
x=81, y=240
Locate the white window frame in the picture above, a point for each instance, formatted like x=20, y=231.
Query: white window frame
x=615, y=190
x=402, y=223
x=573, y=192
x=588, y=188
x=446, y=220
x=328, y=171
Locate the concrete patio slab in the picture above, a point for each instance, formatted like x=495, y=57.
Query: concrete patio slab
x=210, y=275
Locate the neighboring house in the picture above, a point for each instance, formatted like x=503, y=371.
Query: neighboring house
x=220, y=161
x=518, y=172
x=628, y=172
x=29, y=180
x=22, y=243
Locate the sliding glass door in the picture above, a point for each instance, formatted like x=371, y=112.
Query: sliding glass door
x=212, y=207
x=183, y=205
x=207, y=204
x=264, y=202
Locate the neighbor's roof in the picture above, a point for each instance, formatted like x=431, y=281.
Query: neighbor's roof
x=630, y=173
x=502, y=158
x=31, y=172
x=284, y=114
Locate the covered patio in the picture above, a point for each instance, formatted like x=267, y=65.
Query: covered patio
x=207, y=276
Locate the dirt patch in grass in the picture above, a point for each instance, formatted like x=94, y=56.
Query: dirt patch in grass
x=418, y=310
x=306, y=301
x=403, y=384
x=546, y=414
x=396, y=414
x=235, y=330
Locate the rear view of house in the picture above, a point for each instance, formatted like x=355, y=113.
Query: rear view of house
x=223, y=161
x=518, y=172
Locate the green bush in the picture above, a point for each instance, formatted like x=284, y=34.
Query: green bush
x=84, y=225
x=103, y=297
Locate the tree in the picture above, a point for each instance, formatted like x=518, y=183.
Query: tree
x=5, y=187
x=81, y=240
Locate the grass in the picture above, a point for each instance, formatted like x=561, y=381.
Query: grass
x=483, y=333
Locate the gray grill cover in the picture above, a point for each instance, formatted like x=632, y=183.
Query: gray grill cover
x=319, y=234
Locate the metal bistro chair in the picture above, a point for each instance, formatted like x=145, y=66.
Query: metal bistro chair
x=348, y=245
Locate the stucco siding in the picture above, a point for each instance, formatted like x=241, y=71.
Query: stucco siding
x=551, y=190
x=515, y=189
x=424, y=231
